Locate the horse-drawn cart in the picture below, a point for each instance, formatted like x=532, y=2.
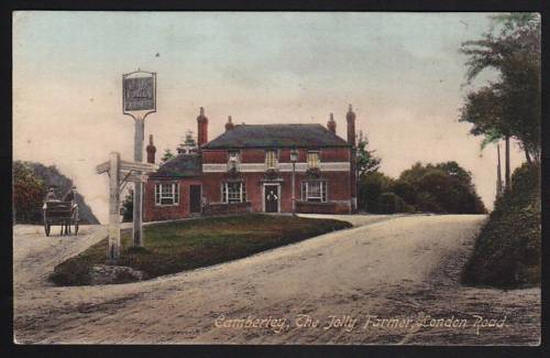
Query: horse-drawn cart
x=64, y=213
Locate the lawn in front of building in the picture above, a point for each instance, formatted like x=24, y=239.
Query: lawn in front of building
x=180, y=246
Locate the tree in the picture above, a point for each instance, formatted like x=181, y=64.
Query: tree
x=168, y=155
x=28, y=194
x=128, y=207
x=189, y=145
x=367, y=162
x=510, y=106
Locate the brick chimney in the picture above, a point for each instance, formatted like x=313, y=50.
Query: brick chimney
x=151, y=150
x=202, y=122
x=229, y=125
x=331, y=124
x=350, y=117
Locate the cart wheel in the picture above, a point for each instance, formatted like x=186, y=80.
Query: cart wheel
x=76, y=228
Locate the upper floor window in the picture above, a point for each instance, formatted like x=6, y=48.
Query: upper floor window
x=233, y=192
x=271, y=159
x=234, y=159
x=167, y=194
x=313, y=160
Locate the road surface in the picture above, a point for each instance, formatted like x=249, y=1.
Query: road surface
x=388, y=280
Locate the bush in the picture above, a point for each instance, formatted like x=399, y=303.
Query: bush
x=390, y=203
x=507, y=252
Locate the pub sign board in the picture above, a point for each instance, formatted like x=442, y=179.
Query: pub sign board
x=139, y=91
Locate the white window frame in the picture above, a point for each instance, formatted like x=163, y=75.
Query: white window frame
x=323, y=191
x=318, y=162
x=241, y=195
x=275, y=159
x=173, y=194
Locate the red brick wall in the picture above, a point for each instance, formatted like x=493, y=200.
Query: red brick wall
x=335, y=154
x=214, y=156
x=337, y=183
x=153, y=212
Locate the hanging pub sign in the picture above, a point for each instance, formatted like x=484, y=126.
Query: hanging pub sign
x=139, y=92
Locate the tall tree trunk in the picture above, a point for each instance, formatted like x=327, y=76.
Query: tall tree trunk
x=507, y=164
x=528, y=157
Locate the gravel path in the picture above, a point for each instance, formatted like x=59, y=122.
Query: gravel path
x=333, y=289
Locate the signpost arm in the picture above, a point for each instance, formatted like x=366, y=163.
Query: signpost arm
x=113, y=252
x=138, y=186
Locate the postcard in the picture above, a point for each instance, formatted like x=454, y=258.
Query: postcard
x=311, y=178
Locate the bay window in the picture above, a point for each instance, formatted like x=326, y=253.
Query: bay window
x=167, y=194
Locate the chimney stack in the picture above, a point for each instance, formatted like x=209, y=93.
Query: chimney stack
x=331, y=124
x=229, y=125
x=151, y=150
x=202, y=122
x=350, y=117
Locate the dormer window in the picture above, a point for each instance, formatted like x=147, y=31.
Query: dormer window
x=313, y=161
x=271, y=159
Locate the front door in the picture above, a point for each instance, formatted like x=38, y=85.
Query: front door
x=271, y=197
x=195, y=199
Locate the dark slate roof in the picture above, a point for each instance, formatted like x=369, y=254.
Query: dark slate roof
x=276, y=135
x=183, y=165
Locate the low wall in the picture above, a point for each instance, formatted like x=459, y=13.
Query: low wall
x=330, y=207
x=226, y=209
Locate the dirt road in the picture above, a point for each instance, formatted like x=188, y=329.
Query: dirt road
x=390, y=280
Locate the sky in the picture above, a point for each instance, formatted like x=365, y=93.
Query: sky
x=402, y=72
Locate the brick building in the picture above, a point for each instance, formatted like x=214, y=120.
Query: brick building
x=249, y=168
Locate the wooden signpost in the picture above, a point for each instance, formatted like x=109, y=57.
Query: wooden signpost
x=120, y=172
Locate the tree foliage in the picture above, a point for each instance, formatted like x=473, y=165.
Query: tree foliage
x=28, y=194
x=440, y=188
x=128, y=207
x=168, y=155
x=367, y=162
x=510, y=105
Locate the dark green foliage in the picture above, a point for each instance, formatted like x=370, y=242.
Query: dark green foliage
x=440, y=188
x=371, y=186
x=507, y=253
x=367, y=162
x=509, y=106
x=390, y=203
x=128, y=207
x=28, y=194
x=50, y=176
x=176, y=247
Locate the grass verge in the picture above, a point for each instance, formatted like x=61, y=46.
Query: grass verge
x=507, y=252
x=176, y=247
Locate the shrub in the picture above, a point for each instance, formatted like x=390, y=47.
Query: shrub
x=390, y=203
x=507, y=252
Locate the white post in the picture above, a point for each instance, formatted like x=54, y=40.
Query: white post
x=113, y=251
x=138, y=186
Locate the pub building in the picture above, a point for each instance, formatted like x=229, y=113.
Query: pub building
x=252, y=168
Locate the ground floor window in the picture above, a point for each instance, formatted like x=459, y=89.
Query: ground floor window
x=233, y=192
x=167, y=194
x=314, y=191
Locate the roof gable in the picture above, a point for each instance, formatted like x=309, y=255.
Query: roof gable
x=183, y=165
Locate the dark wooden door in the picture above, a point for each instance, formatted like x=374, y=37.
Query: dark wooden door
x=271, y=198
x=195, y=199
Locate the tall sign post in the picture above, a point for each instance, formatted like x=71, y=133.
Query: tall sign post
x=139, y=99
